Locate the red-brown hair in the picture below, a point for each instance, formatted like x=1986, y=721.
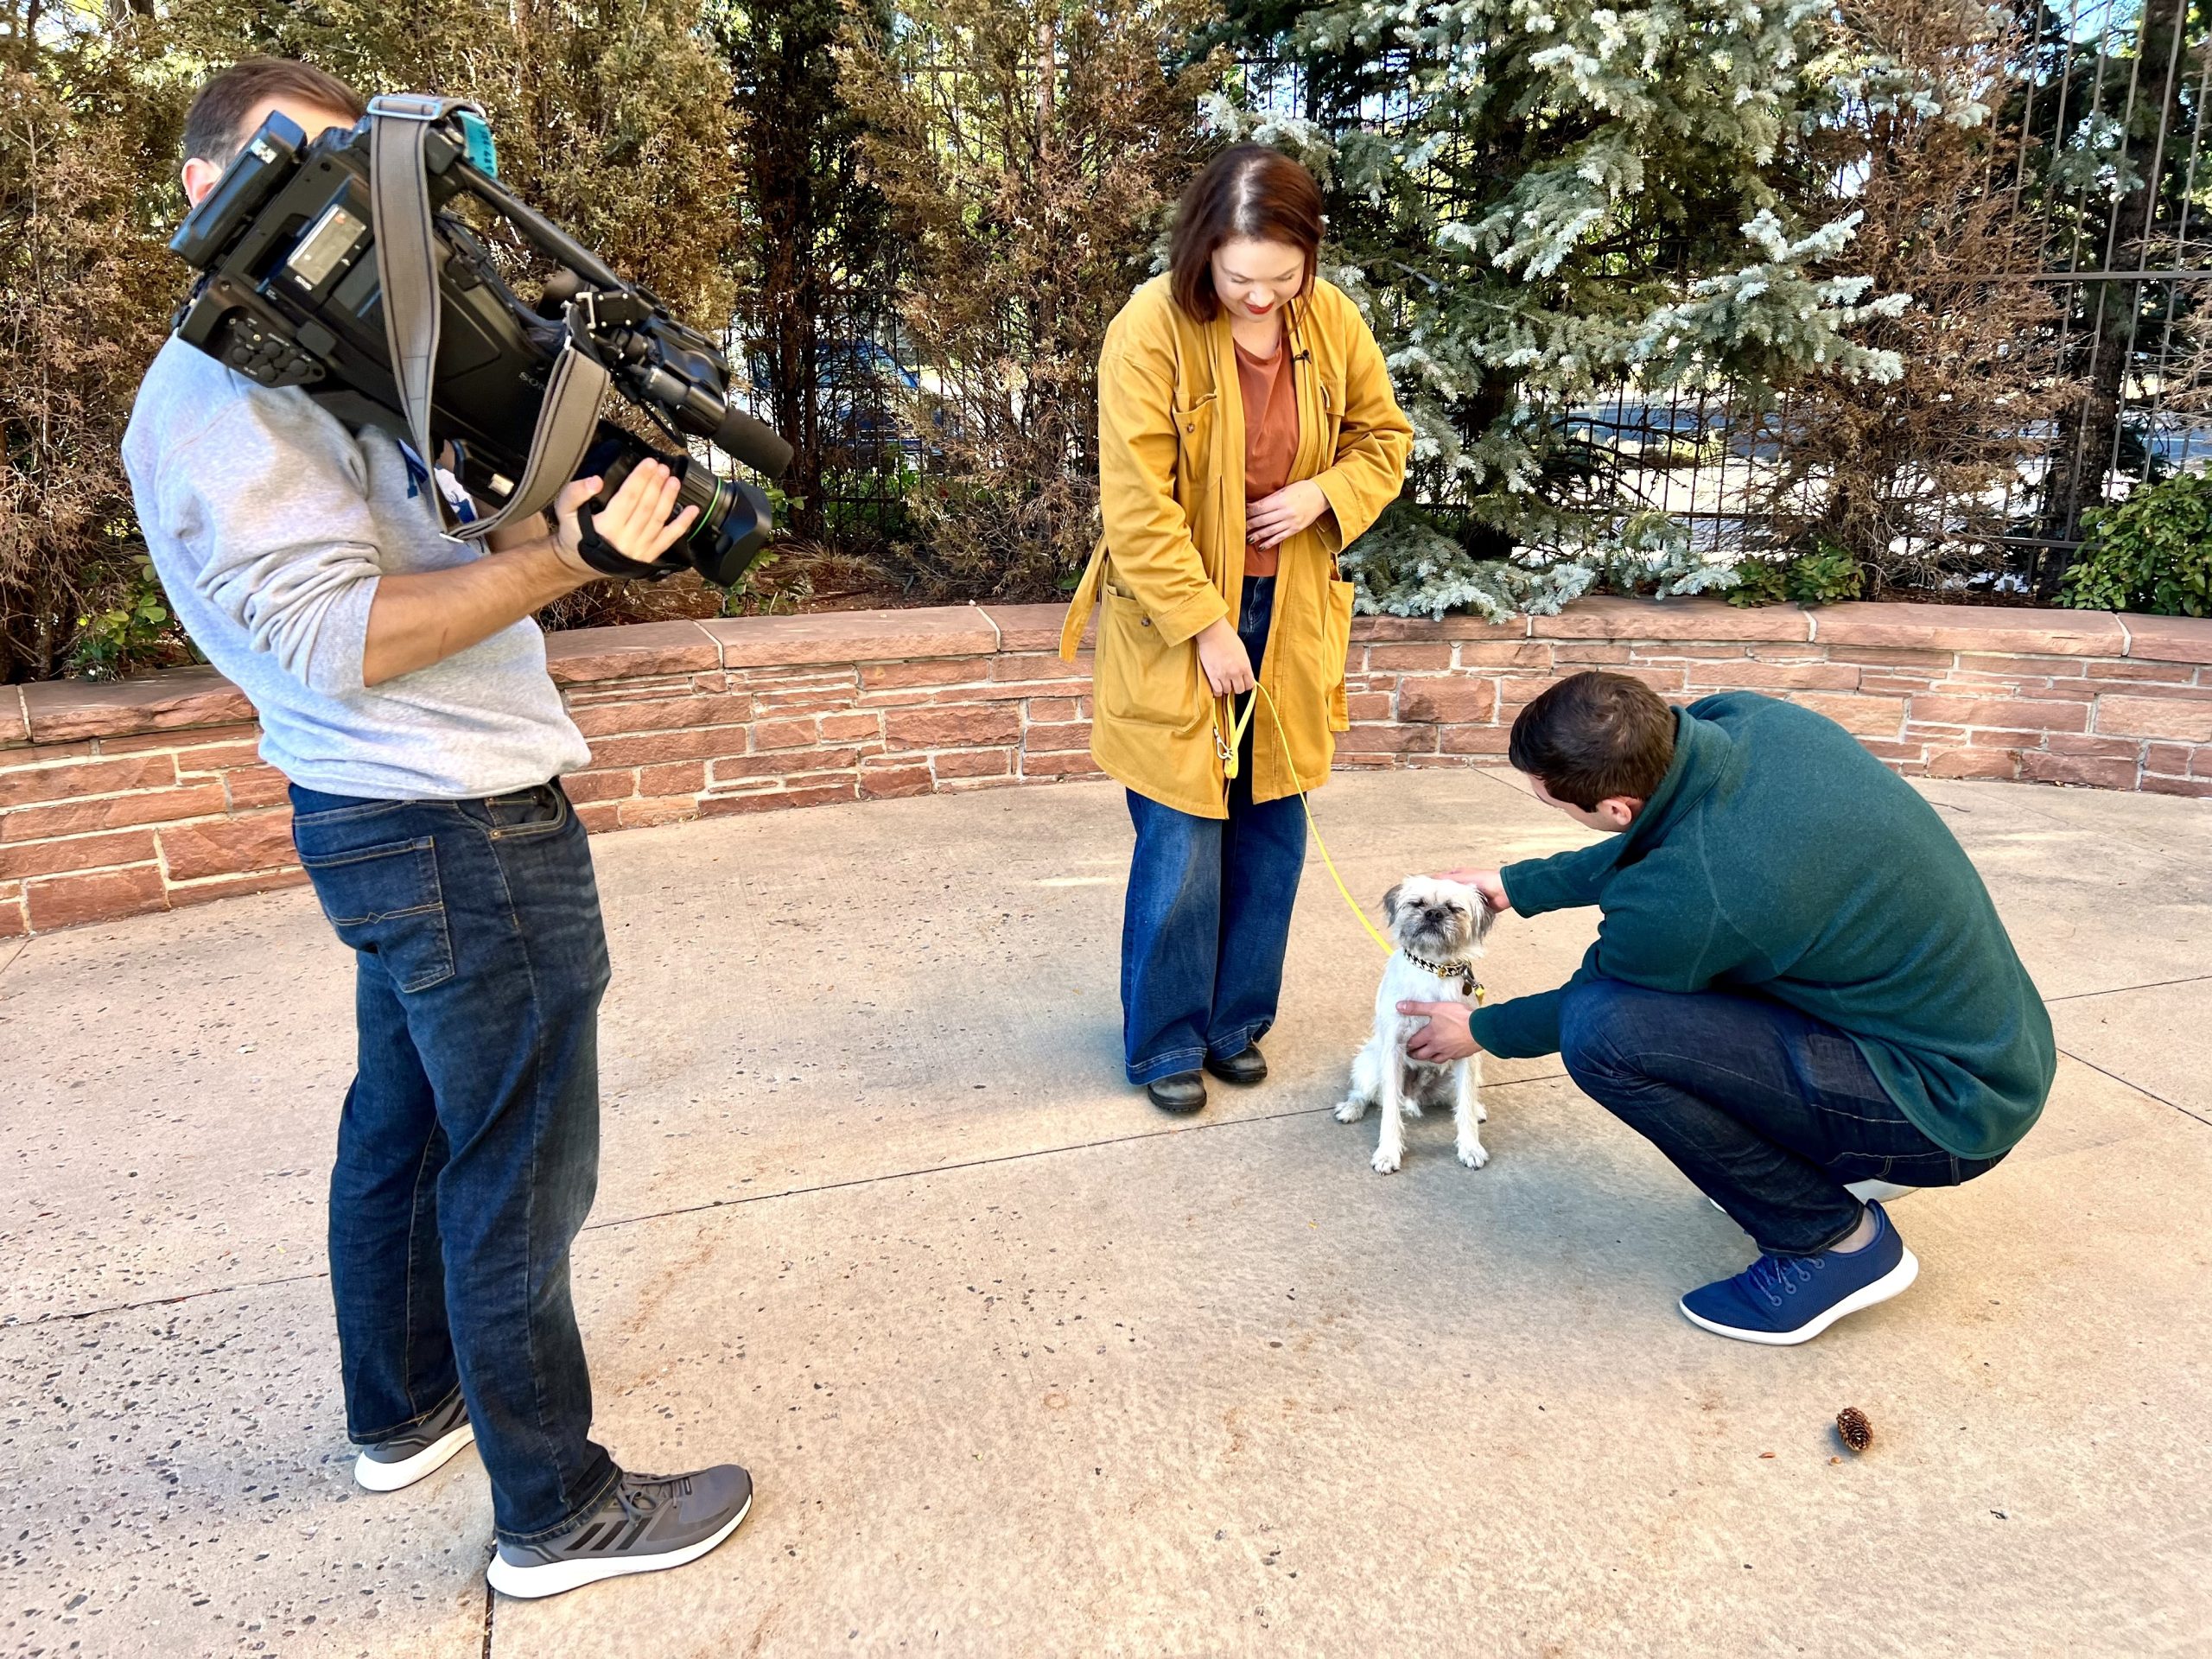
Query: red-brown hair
x=214, y=128
x=1248, y=190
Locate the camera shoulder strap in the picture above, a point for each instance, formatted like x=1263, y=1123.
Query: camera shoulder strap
x=409, y=252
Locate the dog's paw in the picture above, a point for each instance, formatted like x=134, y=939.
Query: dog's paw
x=1352, y=1111
x=1385, y=1160
x=1473, y=1156
x=1409, y=1107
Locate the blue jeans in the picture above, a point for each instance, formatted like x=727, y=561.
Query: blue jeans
x=1769, y=1111
x=469, y=1147
x=1208, y=914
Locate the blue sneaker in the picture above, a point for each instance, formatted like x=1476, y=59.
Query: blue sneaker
x=1783, y=1299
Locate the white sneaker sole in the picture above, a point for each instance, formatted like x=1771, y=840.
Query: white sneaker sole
x=1889, y=1284
x=390, y=1477
x=529, y=1583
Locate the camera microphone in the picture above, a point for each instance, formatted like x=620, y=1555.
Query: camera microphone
x=758, y=445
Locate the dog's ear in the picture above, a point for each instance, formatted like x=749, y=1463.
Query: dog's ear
x=1485, y=918
x=1390, y=903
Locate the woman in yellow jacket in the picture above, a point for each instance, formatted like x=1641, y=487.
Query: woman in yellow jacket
x=1247, y=432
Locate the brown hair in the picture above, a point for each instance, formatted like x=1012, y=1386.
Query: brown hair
x=214, y=128
x=1248, y=190
x=1594, y=736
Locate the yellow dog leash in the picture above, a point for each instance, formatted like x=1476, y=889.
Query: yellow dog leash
x=1231, y=749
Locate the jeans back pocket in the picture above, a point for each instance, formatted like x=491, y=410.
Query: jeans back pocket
x=385, y=901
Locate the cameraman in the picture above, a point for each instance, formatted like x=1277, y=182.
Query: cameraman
x=402, y=689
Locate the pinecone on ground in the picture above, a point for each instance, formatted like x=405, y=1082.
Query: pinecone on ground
x=1852, y=1425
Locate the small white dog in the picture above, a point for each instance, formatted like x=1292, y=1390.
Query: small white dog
x=1438, y=928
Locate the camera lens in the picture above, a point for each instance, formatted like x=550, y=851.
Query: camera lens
x=733, y=525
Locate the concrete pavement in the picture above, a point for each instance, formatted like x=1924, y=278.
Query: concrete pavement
x=1022, y=1368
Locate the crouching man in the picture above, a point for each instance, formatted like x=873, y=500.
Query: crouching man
x=1800, y=993
x=402, y=689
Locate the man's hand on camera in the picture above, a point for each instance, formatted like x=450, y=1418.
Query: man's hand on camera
x=636, y=523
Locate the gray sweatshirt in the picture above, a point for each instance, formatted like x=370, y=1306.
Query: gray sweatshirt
x=270, y=524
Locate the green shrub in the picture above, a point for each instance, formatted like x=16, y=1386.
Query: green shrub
x=2152, y=553
x=135, y=633
x=1825, y=575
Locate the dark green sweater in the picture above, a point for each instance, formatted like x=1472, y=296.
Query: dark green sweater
x=1779, y=857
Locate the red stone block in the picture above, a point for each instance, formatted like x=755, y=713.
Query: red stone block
x=853, y=637
x=888, y=783
x=66, y=900
x=1367, y=705
x=13, y=924
x=2196, y=786
x=656, y=748
x=1032, y=628
x=20, y=786
x=1387, y=739
x=2189, y=721
x=1024, y=670
x=1056, y=766
x=62, y=711
x=723, y=806
x=1894, y=754
x=260, y=841
x=2150, y=639
x=2018, y=714
x=1414, y=659
x=2103, y=748
x=1052, y=711
x=677, y=777
x=956, y=726
x=259, y=787
x=1057, y=740
x=1505, y=653
x=2154, y=673
x=846, y=728
x=216, y=758
x=585, y=787
x=613, y=718
x=784, y=763
x=111, y=812
x=644, y=812
x=197, y=737
x=952, y=671
x=93, y=853
x=1974, y=763
x=2172, y=759
x=597, y=816
x=1773, y=676
x=1474, y=739
x=2041, y=767
x=1970, y=628
x=633, y=651
x=784, y=735
x=1453, y=700
x=1703, y=620
x=1862, y=716
x=973, y=763
x=14, y=728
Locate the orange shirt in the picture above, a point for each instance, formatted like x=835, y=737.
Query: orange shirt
x=1270, y=437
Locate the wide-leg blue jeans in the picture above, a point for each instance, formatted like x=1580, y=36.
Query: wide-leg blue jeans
x=468, y=1147
x=1208, y=913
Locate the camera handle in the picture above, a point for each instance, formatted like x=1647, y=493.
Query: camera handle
x=407, y=271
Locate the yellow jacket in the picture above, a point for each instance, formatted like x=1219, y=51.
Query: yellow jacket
x=1170, y=474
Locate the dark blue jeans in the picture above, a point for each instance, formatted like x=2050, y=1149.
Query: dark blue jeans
x=1769, y=1111
x=1208, y=914
x=468, y=1148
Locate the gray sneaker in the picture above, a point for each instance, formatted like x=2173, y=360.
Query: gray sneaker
x=645, y=1523
x=417, y=1450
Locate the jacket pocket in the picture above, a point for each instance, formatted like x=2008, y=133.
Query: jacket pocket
x=1336, y=646
x=1140, y=677
x=385, y=902
x=1194, y=429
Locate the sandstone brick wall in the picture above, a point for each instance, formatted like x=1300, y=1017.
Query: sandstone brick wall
x=146, y=796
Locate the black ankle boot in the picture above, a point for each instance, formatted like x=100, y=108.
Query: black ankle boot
x=1250, y=1066
x=1182, y=1094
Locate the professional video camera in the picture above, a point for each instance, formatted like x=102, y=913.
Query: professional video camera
x=338, y=266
